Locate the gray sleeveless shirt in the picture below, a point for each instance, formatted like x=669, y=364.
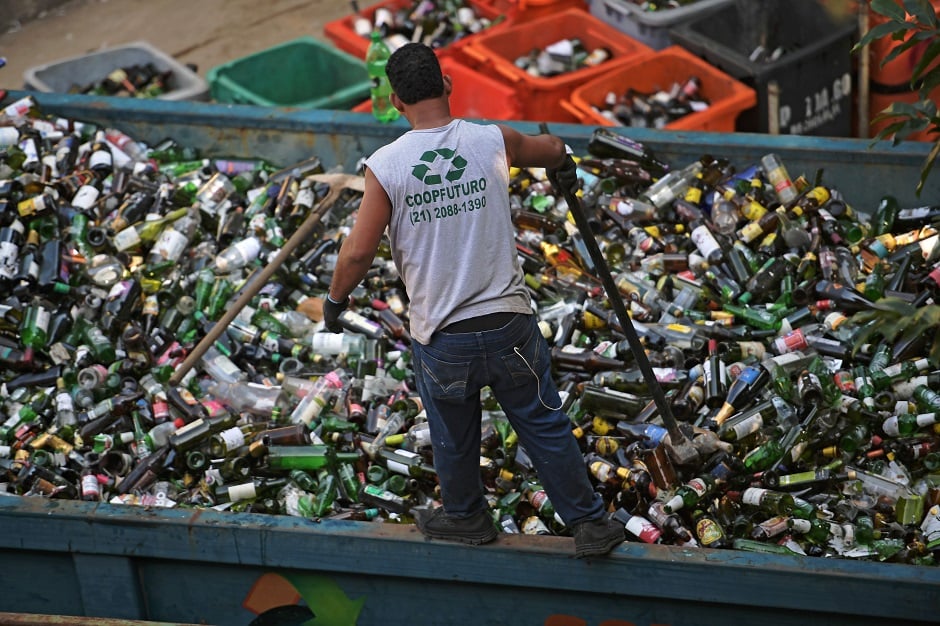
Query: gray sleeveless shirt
x=451, y=234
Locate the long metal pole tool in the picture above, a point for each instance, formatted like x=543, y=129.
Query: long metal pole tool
x=680, y=448
x=337, y=183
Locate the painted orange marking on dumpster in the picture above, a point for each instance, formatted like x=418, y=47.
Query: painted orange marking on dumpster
x=268, y=592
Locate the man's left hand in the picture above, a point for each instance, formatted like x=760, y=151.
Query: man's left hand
x=331, y=312
x=565, y=177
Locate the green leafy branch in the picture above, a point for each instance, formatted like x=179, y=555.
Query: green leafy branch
x=899, y=323
x=912, y=23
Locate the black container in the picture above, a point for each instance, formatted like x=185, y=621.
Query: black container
x=815, y=72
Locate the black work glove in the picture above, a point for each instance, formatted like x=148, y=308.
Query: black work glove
x=564, y=178
x=331, y=313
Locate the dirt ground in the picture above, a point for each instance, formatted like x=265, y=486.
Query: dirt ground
x=205, y=33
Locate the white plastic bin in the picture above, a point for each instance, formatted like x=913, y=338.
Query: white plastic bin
x=61, y=76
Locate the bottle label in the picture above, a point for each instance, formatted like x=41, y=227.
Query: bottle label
x=9, y=252
x=151, y=306
x=705, y=241
x=170, y=245
x=64, y=403
x=834, y=319
x=246, y=491
x=85, y=197
x=698, y=486
x=270, y=342
x=538, y=499
x=42, y=319
x=753, y=496
x=708, y=531
x=9, y=136
x=533, y=525
x=32, y=206
x=91, y=488
x=601, y=471
x=666, y=374
x=327, y=343
x=644, y=529
x=232, y=438
x=214, y=192
x=126, y=239
x=750, y=425
x=100, y=159
x=791, y=342
x=32, y=269
x=750, y=232
x=397, y=467
x=749, y=375
x=752, y=348
x=305, y=197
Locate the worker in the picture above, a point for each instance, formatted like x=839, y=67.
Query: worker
x=441, y=191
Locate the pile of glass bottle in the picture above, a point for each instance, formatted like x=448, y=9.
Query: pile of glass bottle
x=654, y=109
x=437, y=23
x=116, y=259
x=136, y=81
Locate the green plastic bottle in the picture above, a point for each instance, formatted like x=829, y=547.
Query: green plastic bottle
x=376, y=57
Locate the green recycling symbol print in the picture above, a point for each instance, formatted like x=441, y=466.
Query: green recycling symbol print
x=435, y=162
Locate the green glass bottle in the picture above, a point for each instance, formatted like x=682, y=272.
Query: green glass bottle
x=309, y=457
x=101, y=346
x=374, y=495
x=35, y=327
x=926, y=399
x=404, y=462
x=202, y=291
x=218, y=299
x=349, y=481
x=883, y=378
x=690, y=493
x=765, y=455
x=883, y=219
x=765, y=547
x=753, y=316
x=776, y=502
x=536, y=496
x=327, y=490
x=144, y=232
x=874, y=286
x=250, y=490
x=303, y=480
x=709, y=531
x=908, y=424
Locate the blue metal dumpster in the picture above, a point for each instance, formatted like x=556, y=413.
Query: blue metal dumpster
x=203, y=566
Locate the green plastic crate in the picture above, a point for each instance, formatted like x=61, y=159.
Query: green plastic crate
x=303, y=73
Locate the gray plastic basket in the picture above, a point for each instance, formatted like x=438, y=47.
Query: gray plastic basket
x=61, y=76
x=651, y=27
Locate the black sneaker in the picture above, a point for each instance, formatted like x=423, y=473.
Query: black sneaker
x=597, y=537
x=437, y=524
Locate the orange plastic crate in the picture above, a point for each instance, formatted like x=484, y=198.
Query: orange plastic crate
x=728, y=97
x=495, y=53
x=475, y=95
x=898, y=71
x=878, y=102
x=344, y=36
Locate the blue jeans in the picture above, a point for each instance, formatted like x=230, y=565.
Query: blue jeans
x=514, y=361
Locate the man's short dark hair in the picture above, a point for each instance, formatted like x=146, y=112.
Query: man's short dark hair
x=415, y=73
